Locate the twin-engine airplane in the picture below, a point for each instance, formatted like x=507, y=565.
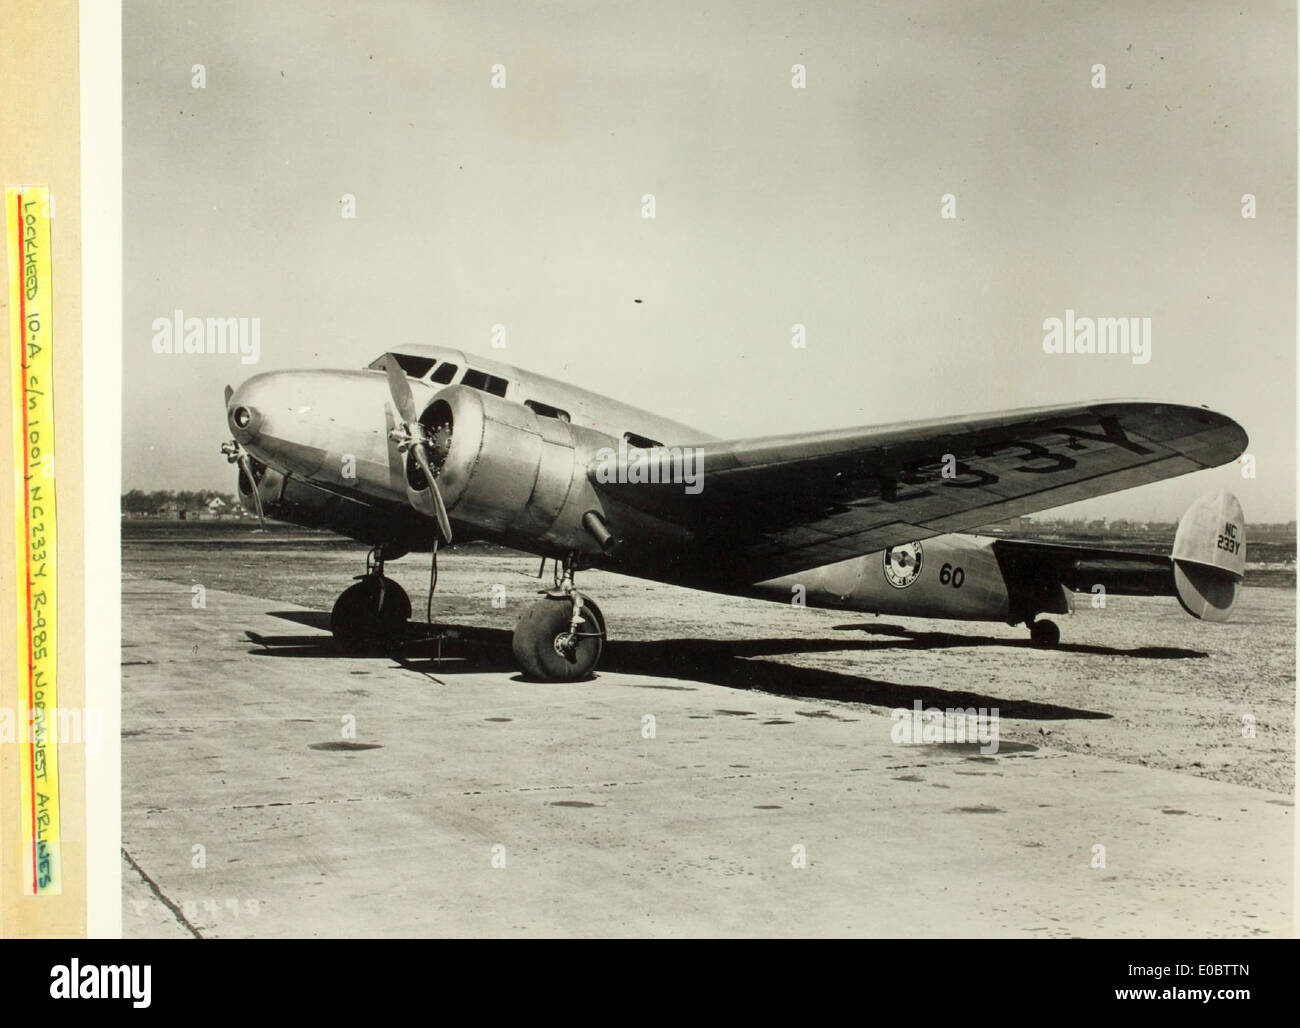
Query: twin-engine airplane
x=431, y=441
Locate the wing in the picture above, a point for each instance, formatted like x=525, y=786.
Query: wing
x=786, y=503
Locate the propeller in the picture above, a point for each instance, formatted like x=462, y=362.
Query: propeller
x=412, y=436
x=236, y=454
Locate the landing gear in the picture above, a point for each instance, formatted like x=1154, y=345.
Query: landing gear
x=370, y=617
x=1044, y=633
x=559, y=638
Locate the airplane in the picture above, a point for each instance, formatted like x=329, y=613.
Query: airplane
x=432, y=443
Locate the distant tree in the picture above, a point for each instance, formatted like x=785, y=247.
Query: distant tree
x=137, y=501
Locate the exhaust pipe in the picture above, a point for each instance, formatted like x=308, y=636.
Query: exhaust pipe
x=594, y=524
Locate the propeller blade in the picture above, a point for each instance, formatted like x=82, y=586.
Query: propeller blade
x=439, y=508
x=429, y=502
x=444, y=522
x=246, y=466
x=400, y=439
x=229, y=393
x=400, y=390
x=421, y=501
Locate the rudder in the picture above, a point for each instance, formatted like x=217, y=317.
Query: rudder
x=1209, y=556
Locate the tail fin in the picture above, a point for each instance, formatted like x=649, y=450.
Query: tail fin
x=1210, y=556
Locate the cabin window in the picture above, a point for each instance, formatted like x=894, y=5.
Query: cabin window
x=644, y=442
x=445, y=373
x=488, y=383
x=545, y=410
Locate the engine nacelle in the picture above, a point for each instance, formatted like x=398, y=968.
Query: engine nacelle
x=505, y=469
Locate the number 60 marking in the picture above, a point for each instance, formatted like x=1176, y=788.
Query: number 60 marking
x=949, y=575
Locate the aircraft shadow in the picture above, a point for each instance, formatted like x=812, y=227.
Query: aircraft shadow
x=434, y=649
x=447, y=650
x=912, y=639
x=311, y=618
x=738, y=665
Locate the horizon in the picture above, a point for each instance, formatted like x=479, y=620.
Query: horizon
x=1039, y=516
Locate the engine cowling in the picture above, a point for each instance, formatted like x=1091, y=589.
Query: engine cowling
x=505, y=469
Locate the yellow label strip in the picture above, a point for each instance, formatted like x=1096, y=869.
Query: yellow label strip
x=31, y=323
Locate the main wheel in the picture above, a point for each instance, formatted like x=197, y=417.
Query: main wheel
x=1045, y=633
x=543, y=648
x=363, y=620
x=590, y=605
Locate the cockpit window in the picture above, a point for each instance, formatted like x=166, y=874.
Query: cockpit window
x=643, y=442
x=482, y=380
x=445, y=373
x=415, y=367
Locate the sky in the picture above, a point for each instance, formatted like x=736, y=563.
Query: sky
x=774, y=206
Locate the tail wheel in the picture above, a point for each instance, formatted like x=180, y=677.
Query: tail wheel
x=544, y=648
x=1045, y=633
x=371, y=616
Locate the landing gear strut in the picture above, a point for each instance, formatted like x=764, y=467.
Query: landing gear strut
x=370, y=617
x=559, y=638
x=1044, y=633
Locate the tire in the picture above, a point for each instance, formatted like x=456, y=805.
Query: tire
x=534, y=641
x=1045, y=633
x=361, y=625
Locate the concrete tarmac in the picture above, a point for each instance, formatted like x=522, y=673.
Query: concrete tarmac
x=273, y=788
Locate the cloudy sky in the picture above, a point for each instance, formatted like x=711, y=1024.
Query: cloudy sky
x=775, y=206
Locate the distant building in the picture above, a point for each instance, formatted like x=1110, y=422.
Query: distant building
x=1023, y=523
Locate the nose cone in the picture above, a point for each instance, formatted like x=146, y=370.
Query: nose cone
x=299, y=421
x=262, y=404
